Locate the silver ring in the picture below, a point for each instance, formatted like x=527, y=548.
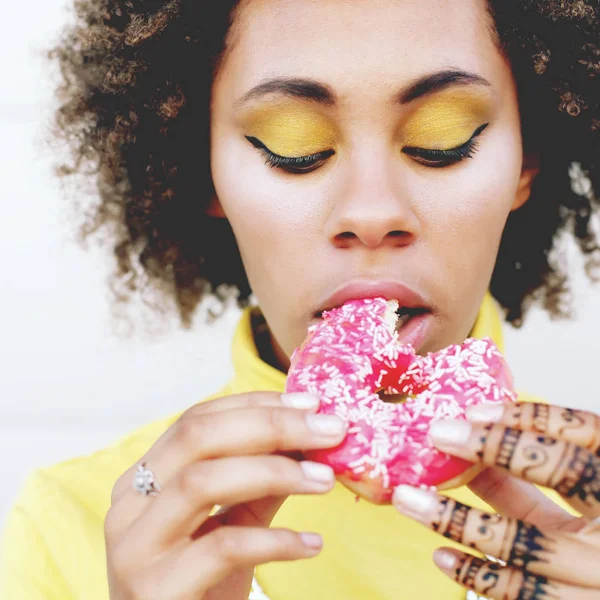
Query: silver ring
x=219, y=509
x=144, y=481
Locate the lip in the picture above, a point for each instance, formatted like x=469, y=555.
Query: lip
x=388, y=289
x=415, y=331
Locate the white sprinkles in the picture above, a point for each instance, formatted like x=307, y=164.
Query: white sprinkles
x=352, y=351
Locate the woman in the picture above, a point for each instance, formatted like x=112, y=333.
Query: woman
x=290, y=148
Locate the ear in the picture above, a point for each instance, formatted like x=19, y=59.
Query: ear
x=531, y=167
x=214, y=208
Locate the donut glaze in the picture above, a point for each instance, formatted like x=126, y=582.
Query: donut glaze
x=352, y=354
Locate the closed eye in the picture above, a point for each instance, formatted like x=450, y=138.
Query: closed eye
x=443, y=158
x=300, y=164
x=427, y=157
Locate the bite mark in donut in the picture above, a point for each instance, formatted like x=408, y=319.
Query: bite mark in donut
x=352, y=354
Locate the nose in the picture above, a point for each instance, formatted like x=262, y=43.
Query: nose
x=373, y=208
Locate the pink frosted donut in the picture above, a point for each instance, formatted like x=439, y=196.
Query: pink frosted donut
x=351, y=355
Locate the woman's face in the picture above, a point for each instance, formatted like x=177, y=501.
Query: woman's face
x=387, y=196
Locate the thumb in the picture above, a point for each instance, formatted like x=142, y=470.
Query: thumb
x=518, y=499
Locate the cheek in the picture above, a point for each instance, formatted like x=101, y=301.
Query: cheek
x=476, y=202
x=274, y=220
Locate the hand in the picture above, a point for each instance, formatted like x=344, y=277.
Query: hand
x=545, y=552
x=236, y=452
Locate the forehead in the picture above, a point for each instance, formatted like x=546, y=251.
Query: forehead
x=366, y=44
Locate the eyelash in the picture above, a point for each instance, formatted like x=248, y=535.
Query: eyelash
x=302, y=164
x=432, y=158
x=443, y=158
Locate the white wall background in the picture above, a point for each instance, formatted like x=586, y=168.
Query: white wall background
x=68, y=385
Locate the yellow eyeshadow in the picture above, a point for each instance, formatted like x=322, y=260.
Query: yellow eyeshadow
x=446, y=120
x=291, y=131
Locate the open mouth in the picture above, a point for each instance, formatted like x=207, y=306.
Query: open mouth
x=405, y=314
x=409, y=325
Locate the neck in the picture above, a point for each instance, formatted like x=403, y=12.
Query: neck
x=268, y=348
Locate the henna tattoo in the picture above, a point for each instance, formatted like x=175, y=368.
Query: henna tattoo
x=509, y=442
x=573, y=473
x=528, y=545
x=572, y=418
x=541, y=417
x=484, y=529
x=536, y=587
x=470, y=567
x=546, y=441
x=473, y=566
x=456, y=526
x=517, y=414
x=461, y=564
x=492, y=576
x=582, y=477
x=483, y=439
x=442, y=509
x=452, y=519
x=537, y=456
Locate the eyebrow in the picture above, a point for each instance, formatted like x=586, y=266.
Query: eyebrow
x=315, y=91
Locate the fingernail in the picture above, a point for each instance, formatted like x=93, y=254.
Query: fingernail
x=317, y=472
x=450, y=432
x=299, y=400
x=325, y=424
x=445, y=559
x=414, y=500
x=312, y=540
x=485, y=413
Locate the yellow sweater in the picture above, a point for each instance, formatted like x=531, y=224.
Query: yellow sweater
x=53, y=542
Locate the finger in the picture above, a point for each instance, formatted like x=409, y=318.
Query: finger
x=520, y=544
x=257, y=513
x=194, y=568
x=188, y=498
x=518, y=499
x=297, y=400
x=258, y=430
x=304, y=402
x=580, y=427
x=504, y=583
x=571, y=470
x=247, y=431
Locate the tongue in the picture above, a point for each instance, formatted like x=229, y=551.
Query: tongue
x=402, y=320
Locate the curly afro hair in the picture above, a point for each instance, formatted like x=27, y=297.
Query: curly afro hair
x=134, y=113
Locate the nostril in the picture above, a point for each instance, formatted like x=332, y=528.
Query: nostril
x=397, y=237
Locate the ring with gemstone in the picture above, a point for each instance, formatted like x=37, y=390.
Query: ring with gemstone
x=144, y=481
